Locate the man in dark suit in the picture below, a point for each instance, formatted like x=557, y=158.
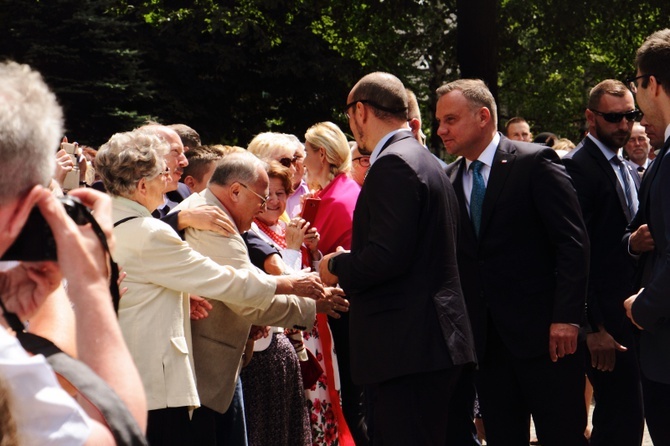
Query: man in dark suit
x=607, y=189
x=650, y=308
x=523, y=259
x=410, y=335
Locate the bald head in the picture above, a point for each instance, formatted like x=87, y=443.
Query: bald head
x=385, y=93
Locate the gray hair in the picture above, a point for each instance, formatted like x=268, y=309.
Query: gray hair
x=475, y=91
x=243, y=167
x=127, y=158
x=31, y=125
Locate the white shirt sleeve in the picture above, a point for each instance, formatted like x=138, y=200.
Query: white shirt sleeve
x=44, y=413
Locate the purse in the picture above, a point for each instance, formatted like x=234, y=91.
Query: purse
x=311, y=370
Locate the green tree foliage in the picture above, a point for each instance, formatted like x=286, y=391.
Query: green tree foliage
x=234, y=68
x=553, y=52
x=87, y=54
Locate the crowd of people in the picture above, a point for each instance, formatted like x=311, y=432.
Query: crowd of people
x=310, y=290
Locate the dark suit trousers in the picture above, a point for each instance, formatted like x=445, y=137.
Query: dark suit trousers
x=351, y=394
x=618, y=418
x=511, y=389
x=414, y=409
x=211, y=428
x=169, y=427
x=657, y=410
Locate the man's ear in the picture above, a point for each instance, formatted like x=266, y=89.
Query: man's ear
x=484, y=115
x=234, y=192
x=189, y=181
x=415, y=126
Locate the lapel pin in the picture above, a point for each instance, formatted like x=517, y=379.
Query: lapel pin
x=503, y=161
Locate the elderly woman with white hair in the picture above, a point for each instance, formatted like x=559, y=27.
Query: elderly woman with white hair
x=161, y=272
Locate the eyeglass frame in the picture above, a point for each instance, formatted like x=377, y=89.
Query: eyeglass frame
x=264, y=200
x=615, y=118
x=359, y=158
x=632, y=85
x=372, y=103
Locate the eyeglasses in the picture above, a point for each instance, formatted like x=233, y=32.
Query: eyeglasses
x=364, y=161
x=374, y=104
x=264, y=200
x=163, y=174
x=617, y=117
x=632, y=84
x=286, y=162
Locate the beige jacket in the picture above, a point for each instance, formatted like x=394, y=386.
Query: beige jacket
x=218, y=340
x=154, y=314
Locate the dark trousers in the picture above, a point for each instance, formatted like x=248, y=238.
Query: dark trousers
x=352, y=395
x=656, y=397
x=169, y=427
x=618, y=417
x=461, y=428
x=414, y=409
x=211, y=428
x=511, y=389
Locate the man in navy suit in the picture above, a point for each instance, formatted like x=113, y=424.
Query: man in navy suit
x=409, y=332
x=607, y=189
x=523, y=256
x=650, y=237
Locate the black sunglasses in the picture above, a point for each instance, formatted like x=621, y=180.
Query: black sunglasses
x=617, y=117
x=286, y=162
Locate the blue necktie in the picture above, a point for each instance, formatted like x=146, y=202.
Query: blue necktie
x=626, y=185
x=477, y=195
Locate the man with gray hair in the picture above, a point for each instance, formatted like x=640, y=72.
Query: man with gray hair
x=31, y=125
x=220, y=338
x=523, y=261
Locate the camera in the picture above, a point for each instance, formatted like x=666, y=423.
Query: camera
x=36, y=241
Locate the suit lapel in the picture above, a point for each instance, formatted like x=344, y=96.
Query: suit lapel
x=503, y=160
x=648, y=179
x=608, y=171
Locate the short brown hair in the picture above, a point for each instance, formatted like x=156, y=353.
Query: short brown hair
x=276, y=170
x=653, y=58
x=612, y=87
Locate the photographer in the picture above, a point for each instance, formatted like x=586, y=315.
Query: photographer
x=30, y=128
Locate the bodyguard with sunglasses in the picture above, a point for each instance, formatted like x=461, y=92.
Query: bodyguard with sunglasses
x=607, y=190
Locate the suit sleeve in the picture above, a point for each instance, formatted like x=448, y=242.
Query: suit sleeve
x=393, y=227
x=586, y=194
x=284, y=310
x=170, y=262
x=556, y=200
x=652, y=307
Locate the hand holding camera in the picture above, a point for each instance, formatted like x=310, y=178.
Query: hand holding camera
x=58, y=229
